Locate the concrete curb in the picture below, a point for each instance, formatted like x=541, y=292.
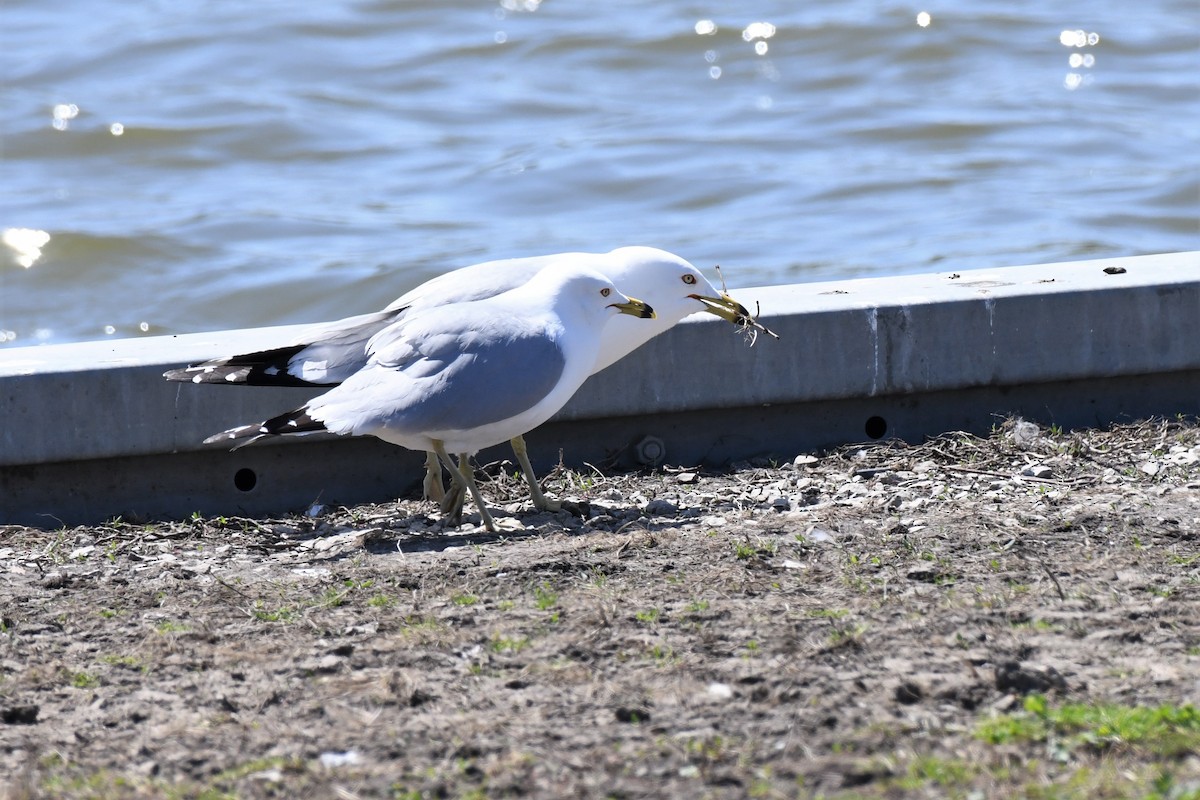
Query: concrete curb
x=1080, y=343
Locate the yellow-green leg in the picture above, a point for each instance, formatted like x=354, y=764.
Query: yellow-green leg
x=539, y=500
x=434, y=490
x=462, y=478
x=452, y=500
x=454, y=504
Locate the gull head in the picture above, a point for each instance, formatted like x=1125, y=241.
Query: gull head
x=587, y=293
x=675, y=287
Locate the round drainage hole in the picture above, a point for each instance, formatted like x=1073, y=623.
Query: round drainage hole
x=876, y=427
x=245, y=479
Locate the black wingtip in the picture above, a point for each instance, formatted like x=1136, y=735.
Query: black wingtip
x=296, y=422
x=262, y=368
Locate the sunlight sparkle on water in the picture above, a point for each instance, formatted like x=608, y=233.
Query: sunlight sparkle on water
x=1078, y=38
x=706, y=27
x=758, y=30
x=25, y=243
x=1074, y=80
x=923, y=19
x=63, y=114
x=520, y=5
x=116, y=129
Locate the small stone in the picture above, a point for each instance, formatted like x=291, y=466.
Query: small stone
x=332, y=760
x=329, y=542
x=687, y=477
x=908, y=693
x=55, y=580
x=272, y=775
x=871, y=472
x=804, y=461
x=1013, y=678
x=1024, y=434
x=659, y=507
x=720, y=691
x=1151, y=468
x=922, y=574
x=1037, y=471
x=781, y=504
x=325, y=664
x=632, y=715
x=19, y=715
x=816, y=533
x=1005, y=703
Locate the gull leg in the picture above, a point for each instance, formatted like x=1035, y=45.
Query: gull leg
x=468, y=474
x=463, y=479
x=433, y=488
x=452, y=503
x=452, y=499
x=455, y=504
x=539, y=500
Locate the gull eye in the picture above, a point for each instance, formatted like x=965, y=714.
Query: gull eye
x=689, y=279
x=605, y=292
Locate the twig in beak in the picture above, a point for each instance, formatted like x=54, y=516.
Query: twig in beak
x=749, y=324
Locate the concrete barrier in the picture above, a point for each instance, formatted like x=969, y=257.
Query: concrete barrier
x=92, y=430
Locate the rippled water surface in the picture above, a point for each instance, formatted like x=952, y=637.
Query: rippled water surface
x=173, y=167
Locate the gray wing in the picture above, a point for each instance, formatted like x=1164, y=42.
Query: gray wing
x=440, y=372
x=327, y=354
x=336, y=351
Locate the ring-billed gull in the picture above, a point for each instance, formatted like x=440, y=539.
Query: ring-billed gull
x=327, y=354
x=463, y=376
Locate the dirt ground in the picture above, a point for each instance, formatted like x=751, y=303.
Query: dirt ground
x=1014, y=616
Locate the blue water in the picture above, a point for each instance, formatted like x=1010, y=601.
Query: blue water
x=194, y=166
